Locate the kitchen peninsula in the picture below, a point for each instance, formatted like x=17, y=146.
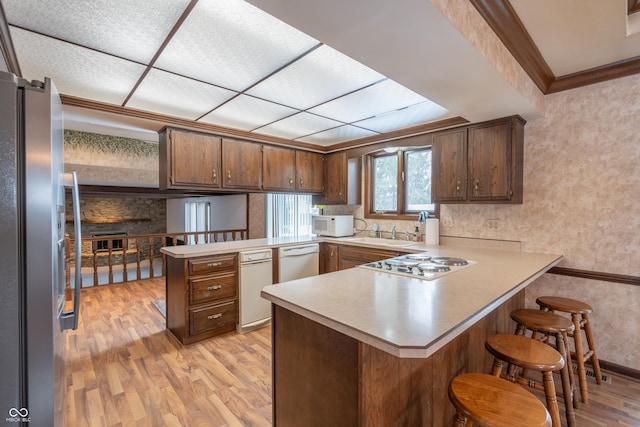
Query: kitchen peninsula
x=367, y=348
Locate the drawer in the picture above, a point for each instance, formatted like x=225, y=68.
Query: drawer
x=364, y=255
x=212, y=317
x=213, y=264
x=211, y=288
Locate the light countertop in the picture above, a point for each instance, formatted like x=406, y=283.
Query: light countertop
x=411, y=317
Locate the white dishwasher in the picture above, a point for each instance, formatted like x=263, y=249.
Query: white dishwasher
x=297, y=262
x=256, y=272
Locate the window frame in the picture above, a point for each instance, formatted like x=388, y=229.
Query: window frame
x=400, y=212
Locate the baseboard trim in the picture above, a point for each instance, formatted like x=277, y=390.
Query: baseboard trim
x=620, y=370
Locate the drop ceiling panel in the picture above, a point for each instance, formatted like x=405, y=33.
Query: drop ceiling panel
x=232, y=44
x=411, y=116
x=298, y=125
x=121, y=27
x=322, y=75
x=342, y=134
x=178, y=96
x=371, y=101
x=247, y=113
x=76, y=71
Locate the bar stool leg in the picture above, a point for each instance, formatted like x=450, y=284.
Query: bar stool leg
x=552, y=402
x=582, y=373
x=567, y=385
x=567, y=358
x=594, y=357
x=460, y=421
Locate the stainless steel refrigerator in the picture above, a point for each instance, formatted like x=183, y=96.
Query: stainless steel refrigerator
x=33, y=312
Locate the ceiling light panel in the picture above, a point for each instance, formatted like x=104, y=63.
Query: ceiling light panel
x=119, y=27
x=298, y=125
x=232, y=44
x=411, y=116
x=322, y=75
x=371, y=101
x=178, y=96
x=75, y=70
x=339, y=134
x=247, y=113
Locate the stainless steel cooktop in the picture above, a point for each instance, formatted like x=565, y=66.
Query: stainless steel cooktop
x=422, y=265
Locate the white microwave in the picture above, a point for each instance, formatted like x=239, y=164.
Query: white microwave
x=332, y=225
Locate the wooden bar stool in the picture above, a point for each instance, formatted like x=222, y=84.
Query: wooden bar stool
x=580, y=317
x=530, y=354
x=489, y=401
x=544, y=325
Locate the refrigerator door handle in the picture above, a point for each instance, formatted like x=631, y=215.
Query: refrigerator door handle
x=69, y=319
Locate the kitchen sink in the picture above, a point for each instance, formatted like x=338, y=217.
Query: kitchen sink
x=379, y=241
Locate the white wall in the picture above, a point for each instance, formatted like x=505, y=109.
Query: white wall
x=227, y=212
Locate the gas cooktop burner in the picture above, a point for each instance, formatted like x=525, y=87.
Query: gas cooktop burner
x=433, y=268
x=449, y=261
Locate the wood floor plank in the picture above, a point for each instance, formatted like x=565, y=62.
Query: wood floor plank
x=123, y=369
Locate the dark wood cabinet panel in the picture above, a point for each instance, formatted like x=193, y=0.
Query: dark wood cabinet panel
x=202, y=296
x=329, y=257
x=189, y=160
x=278, y=168
x=310, y=176
x=353, y=256
x=342, y=180
x=449, y=166
x=479, y=163
x=241, y=164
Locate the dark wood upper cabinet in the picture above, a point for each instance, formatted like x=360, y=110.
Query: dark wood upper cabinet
x=479, y=163
x=310, y=176
x=189, y=160
x=341, y=180
x=278, y=168
x=241, y=164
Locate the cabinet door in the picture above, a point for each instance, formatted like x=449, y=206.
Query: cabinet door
x=278, y=168
x=449, y=152
x=241, y=164
x=194, y=159
x=490, y=162
x=336, y=179
x=328, y=257
x=309, y=172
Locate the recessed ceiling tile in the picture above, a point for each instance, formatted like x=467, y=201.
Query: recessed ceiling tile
x=232, y=44
x=321, y=75
x=247, y=113
x=178, y=96
x=125, y=28
x=371, y=101
x=298, y=125
x=411, y=116
x=75, y=70
x=336, y=135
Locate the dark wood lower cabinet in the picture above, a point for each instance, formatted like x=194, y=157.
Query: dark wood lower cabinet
x=322, y=377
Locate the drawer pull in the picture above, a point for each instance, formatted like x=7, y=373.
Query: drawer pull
x=214, y=316
x=214, y=287
x=214, y=264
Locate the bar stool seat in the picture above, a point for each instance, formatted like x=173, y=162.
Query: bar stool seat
x=523, y=352
x=490, y=401
x=580, y=312
x=544, y=325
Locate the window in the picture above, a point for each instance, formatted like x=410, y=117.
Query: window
x=289, y=215
x=197, y=217
x=399, y=183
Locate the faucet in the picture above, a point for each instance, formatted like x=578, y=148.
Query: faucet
x=406, y=235
x=393, y=233
x=375, y=229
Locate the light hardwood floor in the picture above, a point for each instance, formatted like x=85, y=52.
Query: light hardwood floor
x=123, y=370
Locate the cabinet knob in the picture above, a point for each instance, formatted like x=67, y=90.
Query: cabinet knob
x=291, y=182
x=214, y=287
x=214, y=316
x=229, y=177
x=214, y=175
x=458, y=187
x=476, y=186
x=331, y=253
x=301, y=182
